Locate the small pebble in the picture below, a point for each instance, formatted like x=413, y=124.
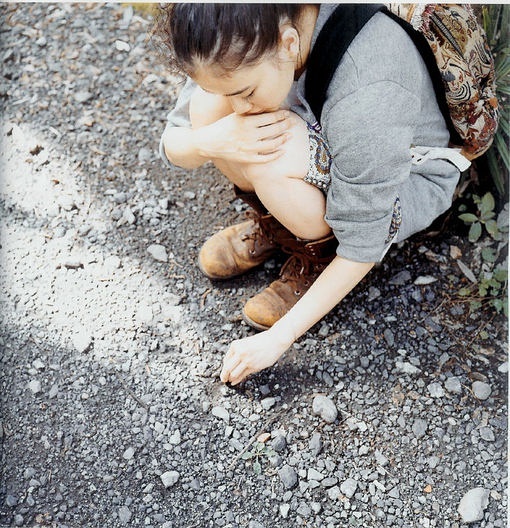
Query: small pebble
x=325, y=408
x=82, y=340
x=169, y=478
x=158, y=252
x=124, y=515
x=487, y=434
x=284, y=510
x=315, y=444
x=453, y=385
x=83, y=97
x=380, y=458
x=279, y=443
x=400, y=278
x=348, y=487
x=288, y=476
x=221, y=412
x=128, y=453
x=436, y=390
x=11, y=501
x=35, y=386
x=407, y=368
x=481, y=390
x=313, y=474
x=424, y=280
x=419, y=427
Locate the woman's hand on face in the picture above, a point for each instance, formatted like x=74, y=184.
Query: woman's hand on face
x=246, y=138
x=251, y=354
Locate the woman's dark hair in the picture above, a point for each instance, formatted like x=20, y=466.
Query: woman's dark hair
x=226, y=35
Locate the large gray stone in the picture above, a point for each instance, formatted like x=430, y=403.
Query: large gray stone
x=473, y=504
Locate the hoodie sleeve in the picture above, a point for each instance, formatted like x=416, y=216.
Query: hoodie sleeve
x=178, y=116
x=370, y=133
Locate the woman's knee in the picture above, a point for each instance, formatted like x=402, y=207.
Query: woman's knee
x=206, y=108
x=294, y=161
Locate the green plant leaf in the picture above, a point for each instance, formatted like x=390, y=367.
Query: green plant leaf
x=498, y=305
x=475, y=232
x=487, y=203
x=489, y=255
x=468, y=218
x=501, y=275
x=474, y=305
x=257, y=468
x=504, y=124
x=492, y=228
x=487, y=215
x=504, y=89
x=502, y=220
x=464, y=292
x=502, y=66
x=496, y=171
x=493, y=282
x=248, y=455
x=503, y=149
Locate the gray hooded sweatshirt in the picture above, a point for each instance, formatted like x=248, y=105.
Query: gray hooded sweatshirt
x=391, y=173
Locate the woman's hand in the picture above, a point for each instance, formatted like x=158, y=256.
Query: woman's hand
x=245, y=138
x=252, y=354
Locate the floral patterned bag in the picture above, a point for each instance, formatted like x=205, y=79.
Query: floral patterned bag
x=454, y=48
x=465, y=65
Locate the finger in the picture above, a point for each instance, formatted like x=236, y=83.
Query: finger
x=273, y=130
x=237, y=371
x=230, y=352
x=224, y=375
x=238, y=376
x=269, y=118
x=230, y=362
x=265, y=158
x=272, y=144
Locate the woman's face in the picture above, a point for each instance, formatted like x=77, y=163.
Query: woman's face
x=254, y=89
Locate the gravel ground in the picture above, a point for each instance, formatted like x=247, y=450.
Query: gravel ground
x=390, y=412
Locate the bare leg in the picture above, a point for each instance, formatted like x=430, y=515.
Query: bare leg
x=279, y=184
x=206, y=108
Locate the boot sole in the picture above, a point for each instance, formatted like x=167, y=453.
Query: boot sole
x=224, y=278
x=212, y=277
x=253, y=324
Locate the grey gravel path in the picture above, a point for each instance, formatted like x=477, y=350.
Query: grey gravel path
x=390, y=412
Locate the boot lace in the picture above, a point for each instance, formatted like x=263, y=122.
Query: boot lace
x=258, y=234
x=302, y=268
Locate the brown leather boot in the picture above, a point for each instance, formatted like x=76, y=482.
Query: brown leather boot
x=240, y=247
x=307, y=261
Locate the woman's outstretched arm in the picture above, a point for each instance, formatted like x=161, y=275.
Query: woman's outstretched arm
x=252, y=354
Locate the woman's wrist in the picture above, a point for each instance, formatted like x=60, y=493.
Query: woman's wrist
x=283, y=333
x=200, y=140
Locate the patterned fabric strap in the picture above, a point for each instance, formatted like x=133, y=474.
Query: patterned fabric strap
x=320, y=159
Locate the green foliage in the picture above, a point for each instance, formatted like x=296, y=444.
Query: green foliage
x=496, y=22
x=486, y=217
x=256, y=453
x=492, y=282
